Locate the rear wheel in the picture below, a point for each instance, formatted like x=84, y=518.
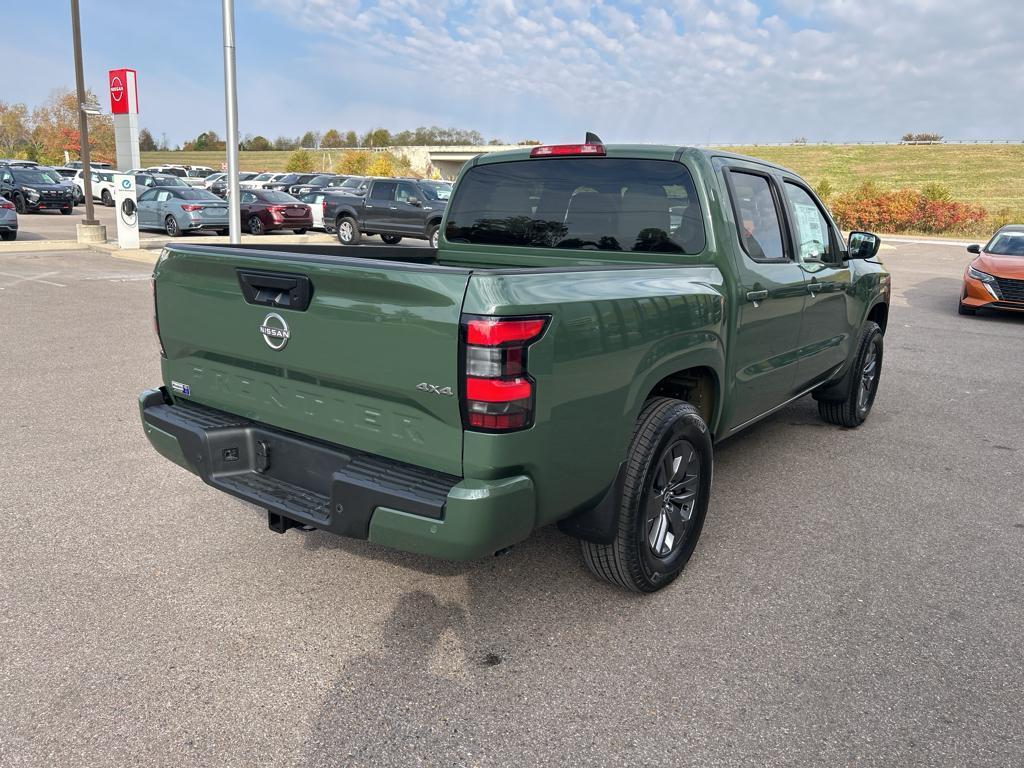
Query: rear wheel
x=65, y=211
x=223, y=232
x=348, y=231
x=299, y=231
x=391, y=239
x=664, y=499
x=171, y=227
x=9, y=235
x=255, y=225
x=106, y=198
x=434, y=235
x=848, y=403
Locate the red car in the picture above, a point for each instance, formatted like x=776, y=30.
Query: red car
x=995, y=279
x=264, y=210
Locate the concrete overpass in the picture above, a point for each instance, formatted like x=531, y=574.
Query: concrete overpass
x=447, y=161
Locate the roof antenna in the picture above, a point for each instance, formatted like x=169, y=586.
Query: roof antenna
x=592, y=138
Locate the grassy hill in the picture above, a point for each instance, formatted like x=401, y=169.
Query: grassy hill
x=988, y=175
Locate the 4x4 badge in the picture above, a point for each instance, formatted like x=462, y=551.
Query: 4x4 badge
x=434, y=389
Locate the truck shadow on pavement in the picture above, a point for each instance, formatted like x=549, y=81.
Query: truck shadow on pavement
x=458, y=651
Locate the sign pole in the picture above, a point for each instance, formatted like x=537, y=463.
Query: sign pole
x=231, y=111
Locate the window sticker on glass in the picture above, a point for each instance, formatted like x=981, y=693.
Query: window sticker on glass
x=812, y=233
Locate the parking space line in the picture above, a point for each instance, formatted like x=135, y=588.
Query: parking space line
x=31, y=279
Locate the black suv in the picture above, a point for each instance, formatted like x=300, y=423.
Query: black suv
x=34, y=189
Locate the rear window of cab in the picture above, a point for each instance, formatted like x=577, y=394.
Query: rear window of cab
x=588, y=204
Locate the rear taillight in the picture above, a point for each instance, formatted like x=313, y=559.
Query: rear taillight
x=156, y=319
x=6, y=204
x=191, y=208
x=497, y=390
x=324, y=206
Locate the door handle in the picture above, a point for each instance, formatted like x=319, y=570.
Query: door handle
x=813, y=288
x=757, y=296
x=394, y=207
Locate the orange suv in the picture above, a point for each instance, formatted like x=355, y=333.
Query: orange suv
x=995, y=279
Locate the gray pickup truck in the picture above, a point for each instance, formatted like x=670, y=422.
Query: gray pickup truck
x=391, y=208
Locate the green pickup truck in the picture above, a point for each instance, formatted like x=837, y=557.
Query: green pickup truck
x=594, y=320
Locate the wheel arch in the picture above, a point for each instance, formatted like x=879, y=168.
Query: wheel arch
x=879, y=313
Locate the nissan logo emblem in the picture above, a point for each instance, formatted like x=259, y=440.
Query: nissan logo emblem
x=275, y=331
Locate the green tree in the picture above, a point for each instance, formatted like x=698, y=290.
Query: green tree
x=283, y=142
x=301, y=160
x=377, y=137
x=310, y=140
x=332, y=139
x=351, y=140
x=257, y=144
x=146, y=141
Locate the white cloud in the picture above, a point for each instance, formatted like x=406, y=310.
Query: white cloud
x=680, y=71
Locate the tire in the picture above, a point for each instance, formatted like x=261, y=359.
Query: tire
x=171, y=227
x=299, y=231
x=255, y=225
x=223, y=232
x=391, y=239
x=434, y=235
x=19, y=204
x=8, y=235
x=657, y=534
x=348, y=231
x=106, y=198
x=849, y=403
x=65, y=211
x=962, y=310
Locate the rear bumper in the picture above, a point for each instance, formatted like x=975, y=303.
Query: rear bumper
x=339, y=490
x=290, y=223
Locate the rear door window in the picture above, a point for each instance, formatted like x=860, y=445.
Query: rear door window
x=598, y=204
x=757, y=215
x=383, y=190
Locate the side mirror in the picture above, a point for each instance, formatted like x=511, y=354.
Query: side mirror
x=863, y=245
x=974, y=249
x=413, y=201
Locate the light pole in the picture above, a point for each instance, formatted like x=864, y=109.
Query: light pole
x=83, y=118
x=231, y=111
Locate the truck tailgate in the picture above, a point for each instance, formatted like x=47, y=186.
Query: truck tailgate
x=345, y=369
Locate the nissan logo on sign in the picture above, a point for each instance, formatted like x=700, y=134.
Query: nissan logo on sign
x=124, y=97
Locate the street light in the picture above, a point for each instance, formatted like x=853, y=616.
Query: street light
x=90, y=229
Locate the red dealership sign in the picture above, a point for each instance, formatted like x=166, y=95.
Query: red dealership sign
x=124, y=96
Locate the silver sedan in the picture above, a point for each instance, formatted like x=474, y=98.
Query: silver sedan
x=177, y=210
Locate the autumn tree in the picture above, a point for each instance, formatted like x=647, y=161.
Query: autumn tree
x=331, y=139
x=257, y=144
x=15, y=132
x=283, y=142
x=55, y=130
x=353, y=163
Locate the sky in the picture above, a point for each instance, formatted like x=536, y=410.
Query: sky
x=679, y=72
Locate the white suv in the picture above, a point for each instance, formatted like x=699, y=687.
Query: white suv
x=102, y=185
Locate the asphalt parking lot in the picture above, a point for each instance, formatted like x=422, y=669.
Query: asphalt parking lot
x=856, y=598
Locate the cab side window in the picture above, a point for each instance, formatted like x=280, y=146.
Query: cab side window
x=383, y=190
x=757, y=215
x=812, y=230
x=405, y=191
